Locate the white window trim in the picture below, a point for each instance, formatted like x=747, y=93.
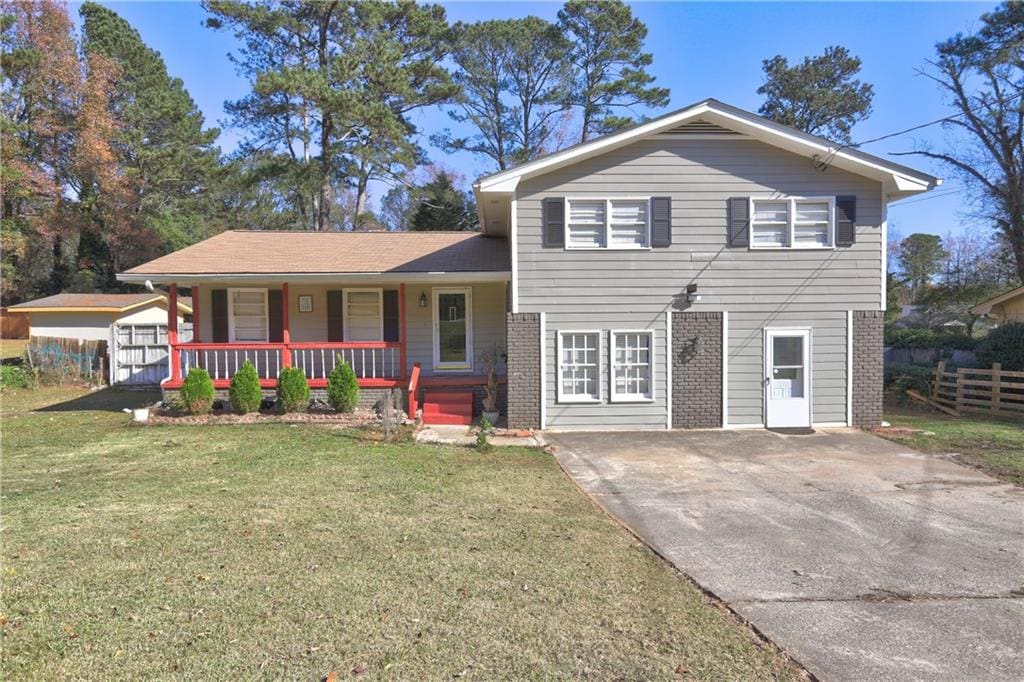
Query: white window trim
x=629, y=397
x=791, y=220
x=380, y=310
x=231, y=313
x=453, y=366
x=562, y=397
x=606, y=245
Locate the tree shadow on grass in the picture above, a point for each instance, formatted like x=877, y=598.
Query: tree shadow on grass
x=105, y=400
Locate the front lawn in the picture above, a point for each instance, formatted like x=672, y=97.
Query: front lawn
x=994, y=446
x=216, y=552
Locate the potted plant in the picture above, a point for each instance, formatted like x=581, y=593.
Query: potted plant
x=490, y=359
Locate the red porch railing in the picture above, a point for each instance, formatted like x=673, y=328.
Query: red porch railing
x=376, y=363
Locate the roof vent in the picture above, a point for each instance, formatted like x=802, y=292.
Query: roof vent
x=700, y=127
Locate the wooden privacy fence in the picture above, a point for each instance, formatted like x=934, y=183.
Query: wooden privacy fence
x=71, y=359
x=995, y=391
x=13, y=325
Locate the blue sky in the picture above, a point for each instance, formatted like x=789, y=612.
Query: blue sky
x=700, y=50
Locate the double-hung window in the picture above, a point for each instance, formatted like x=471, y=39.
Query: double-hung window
x=607, y=224
x=579, y=367
x=248, y=317
x=632, y=366
x=797, y=223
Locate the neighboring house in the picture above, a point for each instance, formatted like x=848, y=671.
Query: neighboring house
x=1008, y=307
x=89, y=317
x=708, y=268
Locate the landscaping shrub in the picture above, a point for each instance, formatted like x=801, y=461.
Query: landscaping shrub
x=196, y=394
x=899, y=377
x=1004, y=345
x=921, y=337
x=13, y=376
x=292, y=390
x=342, y=387
x=245, y=393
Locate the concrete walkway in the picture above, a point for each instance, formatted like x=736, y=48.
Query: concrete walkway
x=859, y=557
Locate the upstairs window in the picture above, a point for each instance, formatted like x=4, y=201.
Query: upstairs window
x=800, y=223
x=607, y=224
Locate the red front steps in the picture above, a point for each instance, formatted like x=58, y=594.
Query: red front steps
x=448, y=407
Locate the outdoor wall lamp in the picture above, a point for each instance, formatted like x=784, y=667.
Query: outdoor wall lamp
x=423, y=300
x=691, y=294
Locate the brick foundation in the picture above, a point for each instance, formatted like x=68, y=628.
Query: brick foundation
x=696, y=370
x=523, y=339
x=868, y=347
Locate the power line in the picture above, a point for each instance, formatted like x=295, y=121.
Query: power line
x=926, y=198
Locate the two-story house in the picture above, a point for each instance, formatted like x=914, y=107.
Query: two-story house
x=705, y=269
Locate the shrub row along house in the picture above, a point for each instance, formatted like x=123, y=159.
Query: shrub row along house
x=708, y=268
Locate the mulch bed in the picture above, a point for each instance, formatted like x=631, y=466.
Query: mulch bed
x=161, y=415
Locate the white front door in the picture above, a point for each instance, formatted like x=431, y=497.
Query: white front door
x=453, y=329
x=787, y=378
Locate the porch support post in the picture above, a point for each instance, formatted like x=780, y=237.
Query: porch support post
x=172, y=332
x=286, y=332
x=195, y=314
x=402, y=334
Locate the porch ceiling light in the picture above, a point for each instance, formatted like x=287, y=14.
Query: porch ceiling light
x=423, y=300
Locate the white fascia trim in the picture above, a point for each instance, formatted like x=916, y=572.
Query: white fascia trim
x=725, y=369
x=318, y=277
x=668, y=369
x=747, y=123
x=543, y=373
x=513, y=237
x=849, y=368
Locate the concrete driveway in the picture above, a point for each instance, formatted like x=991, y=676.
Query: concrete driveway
x=859, y=557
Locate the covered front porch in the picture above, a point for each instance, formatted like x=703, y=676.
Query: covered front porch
x=382, y=329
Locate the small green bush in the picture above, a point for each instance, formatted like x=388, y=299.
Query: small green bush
x=196, y=394
x=245, y=393
x=292, y=390
x=1004, y=345
x=342, y=387
x=921, y=337
x=899, y=377
x=13, y=376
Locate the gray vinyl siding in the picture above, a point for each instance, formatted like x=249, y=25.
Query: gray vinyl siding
x=747, y=363
x=614, y=288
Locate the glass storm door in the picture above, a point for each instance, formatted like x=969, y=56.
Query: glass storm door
x=787, y=385
x=453, y=329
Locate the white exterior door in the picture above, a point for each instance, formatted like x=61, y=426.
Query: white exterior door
x=787, y=378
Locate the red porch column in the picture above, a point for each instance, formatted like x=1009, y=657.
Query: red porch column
x=402, y=335
x=172, y=332
x=195, y=314
x=286, y=332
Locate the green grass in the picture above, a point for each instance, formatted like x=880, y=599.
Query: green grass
x=281, y=551
x=995, y=446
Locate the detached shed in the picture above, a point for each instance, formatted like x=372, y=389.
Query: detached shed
x=89, y=317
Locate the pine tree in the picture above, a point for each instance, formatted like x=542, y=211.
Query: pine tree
x=161, y=143
x=609, y=64
x=443, y=206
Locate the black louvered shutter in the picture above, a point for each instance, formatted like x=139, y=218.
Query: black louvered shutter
x=846, y=221
x=335, y=316
x=661, y=222
x=391, y=322
x=219, y=314
x=738, y=227
x=553, y=222
x=275, y=316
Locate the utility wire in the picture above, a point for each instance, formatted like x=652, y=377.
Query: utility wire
x=925, y=198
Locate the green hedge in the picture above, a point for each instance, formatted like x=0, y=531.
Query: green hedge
x=919, y=337
x=292, y=390
x=899, y=377
x=245, y=393
x=1004, y=345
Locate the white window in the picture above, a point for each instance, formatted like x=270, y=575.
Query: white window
x=800, y=223
x=248, y=320
x=632, y=363
x=579, y=367
x=364, y=315
x=607, y=223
